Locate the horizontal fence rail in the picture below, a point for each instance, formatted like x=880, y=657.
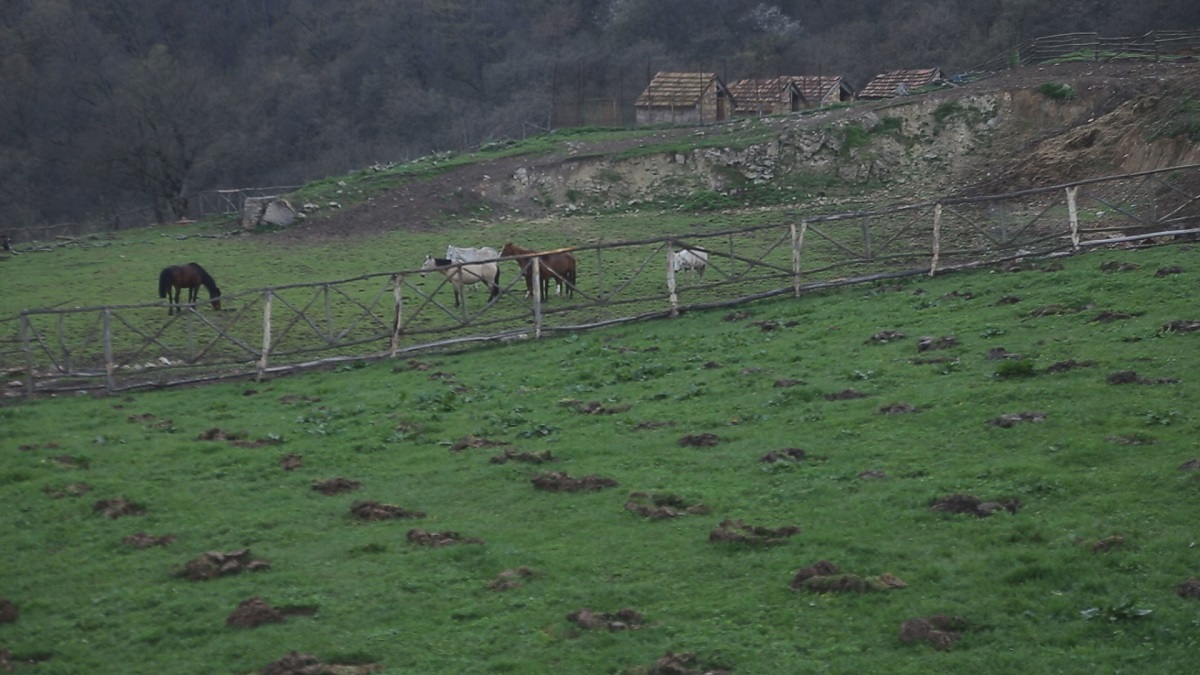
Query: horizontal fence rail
x=396, y=313
x=1155, y=45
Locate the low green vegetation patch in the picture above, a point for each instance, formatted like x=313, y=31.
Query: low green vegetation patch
x=1057, y=91
x=735, y=135
x=1184, y=121
x=922, y=475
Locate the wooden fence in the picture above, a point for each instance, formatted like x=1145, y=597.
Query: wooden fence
x=1155, y=45
x=394, y=314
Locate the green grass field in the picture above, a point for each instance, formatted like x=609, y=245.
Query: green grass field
x=1103, y=529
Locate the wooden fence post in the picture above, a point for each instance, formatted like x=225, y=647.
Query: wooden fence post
x=68, y=363
x=108, y=356
x=866, y=231
x=397, y=285
x=191, y=334
x=328, y=314
x=600, y=269
x=266, y=336
x=797, y=243
x=672, y=298
x=536, y=261
x=25, y=330
x=1073, y=214
x=937, y=238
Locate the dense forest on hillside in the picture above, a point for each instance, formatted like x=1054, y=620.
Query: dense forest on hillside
x=107, y=105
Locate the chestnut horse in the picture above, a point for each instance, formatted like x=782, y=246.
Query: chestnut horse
x=190, y=276
x=556, y=265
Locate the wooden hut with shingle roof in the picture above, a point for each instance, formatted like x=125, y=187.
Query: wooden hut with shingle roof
x=766, y=97
x=900, y=83
x=684, y=98
x=822, y=90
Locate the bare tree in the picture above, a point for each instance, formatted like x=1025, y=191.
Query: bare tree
x=156, y=126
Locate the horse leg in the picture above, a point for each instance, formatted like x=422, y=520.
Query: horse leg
x=527, y=270
x=495, y=284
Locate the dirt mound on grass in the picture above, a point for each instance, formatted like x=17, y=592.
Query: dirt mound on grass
x=253, y=613
x=236, y=439
x=686, y=663
x=898, y=408
x=141, y=540
x=335, y=486
x=784, y=455
x=705, y=440
x=662, y=506
x=1131, y=377
x=438, y=539
x=511, y=455
x=1009, y=420
x=963, y=503
x=825, y=577
x=296, y=663
x=845, y=395
x=216, y=564
x=69, y=462
x=736, y=531
x=939, y=631
x=473, y=442
x=510, y=579
x=8, y=611
x=622, y=619
x=68, y=490
x=372, y=510
x=1068, y=365
x=118, y=508
x=593, y=407
x=557, y=481
x=1180, y=326
x=1189, y=589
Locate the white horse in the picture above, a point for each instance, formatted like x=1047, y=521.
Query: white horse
x=464, y=274
x=461, y=254
x=690, y=259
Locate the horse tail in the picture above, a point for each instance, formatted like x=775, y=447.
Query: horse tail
x=495, y=284
x=164, y=282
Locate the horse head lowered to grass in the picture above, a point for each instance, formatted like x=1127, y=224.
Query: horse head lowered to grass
x=173, y=279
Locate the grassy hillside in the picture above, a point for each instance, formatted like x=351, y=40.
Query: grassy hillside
x=1055, y=392
x=1011, y=448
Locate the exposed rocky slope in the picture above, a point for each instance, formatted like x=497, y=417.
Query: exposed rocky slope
x=1006, y=132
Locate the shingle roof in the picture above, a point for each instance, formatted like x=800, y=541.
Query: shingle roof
x=761, y=94
x=675, y=90
x=814, y=88
x=899, y=82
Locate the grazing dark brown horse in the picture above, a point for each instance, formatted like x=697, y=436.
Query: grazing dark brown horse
x=558, y=266
x=190, y=276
